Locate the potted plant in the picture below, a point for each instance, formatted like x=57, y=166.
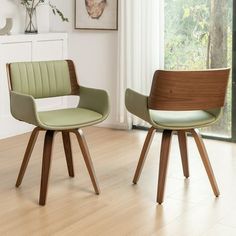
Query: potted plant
x=31, y=21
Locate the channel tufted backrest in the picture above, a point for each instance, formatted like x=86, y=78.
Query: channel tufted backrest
x=43, y=78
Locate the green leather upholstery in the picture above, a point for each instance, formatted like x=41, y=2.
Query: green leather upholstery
x=137, y=104
x=65, y=118
x=94, y=99
x=30, y=80
x=41, y=79
x=176, y=120
x=23, y=108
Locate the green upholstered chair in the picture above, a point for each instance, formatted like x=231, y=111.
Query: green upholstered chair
x=180, y=101
x=31, y=80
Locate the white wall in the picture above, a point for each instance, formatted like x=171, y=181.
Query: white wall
x=12, y=9
x=94, y=52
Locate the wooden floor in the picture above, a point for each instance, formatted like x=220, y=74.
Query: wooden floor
x=189, y=207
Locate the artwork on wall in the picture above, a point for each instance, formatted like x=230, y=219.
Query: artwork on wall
x=96, y=14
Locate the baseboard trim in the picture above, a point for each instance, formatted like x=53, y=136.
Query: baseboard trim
x=121, y=126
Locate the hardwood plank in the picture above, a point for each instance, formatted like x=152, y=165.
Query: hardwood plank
x=121, y=208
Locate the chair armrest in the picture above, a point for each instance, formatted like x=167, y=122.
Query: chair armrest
x=23, y=108
x=137, y=104
x=94, y=99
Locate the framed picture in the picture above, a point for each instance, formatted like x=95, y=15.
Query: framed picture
x=96, y=14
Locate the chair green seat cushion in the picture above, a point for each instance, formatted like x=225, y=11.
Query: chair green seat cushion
x=182, y=119
x=70, y=118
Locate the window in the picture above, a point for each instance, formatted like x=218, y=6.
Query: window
x=198, y=35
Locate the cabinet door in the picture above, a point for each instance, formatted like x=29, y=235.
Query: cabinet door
x=11, y=52
x=48, y=50
x=32, y=48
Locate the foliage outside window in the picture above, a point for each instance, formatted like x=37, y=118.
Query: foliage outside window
x=198, y=35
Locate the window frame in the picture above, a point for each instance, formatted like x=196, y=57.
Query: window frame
x=233, y=127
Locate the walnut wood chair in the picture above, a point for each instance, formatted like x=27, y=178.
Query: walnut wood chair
x=31, y=80
x=181, y=101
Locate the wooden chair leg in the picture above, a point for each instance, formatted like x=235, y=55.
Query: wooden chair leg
x=27, y=155
x=206, y=161
x=47, y=154
x=87, y=159
x=68, y=152
x=144, y=152
x=182, y=137
x=164, y=157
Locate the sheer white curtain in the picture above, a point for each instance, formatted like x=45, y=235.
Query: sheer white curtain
x=141, y=50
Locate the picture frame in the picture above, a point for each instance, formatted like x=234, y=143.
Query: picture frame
x=96, y=14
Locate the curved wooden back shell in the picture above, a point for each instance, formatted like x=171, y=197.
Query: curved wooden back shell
x=188, y=90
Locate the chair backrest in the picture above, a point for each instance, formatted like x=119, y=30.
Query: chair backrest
x=43, y=79
x=188, y=90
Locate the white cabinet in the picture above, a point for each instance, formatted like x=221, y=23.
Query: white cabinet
x=52, y=53
x=15, y=48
